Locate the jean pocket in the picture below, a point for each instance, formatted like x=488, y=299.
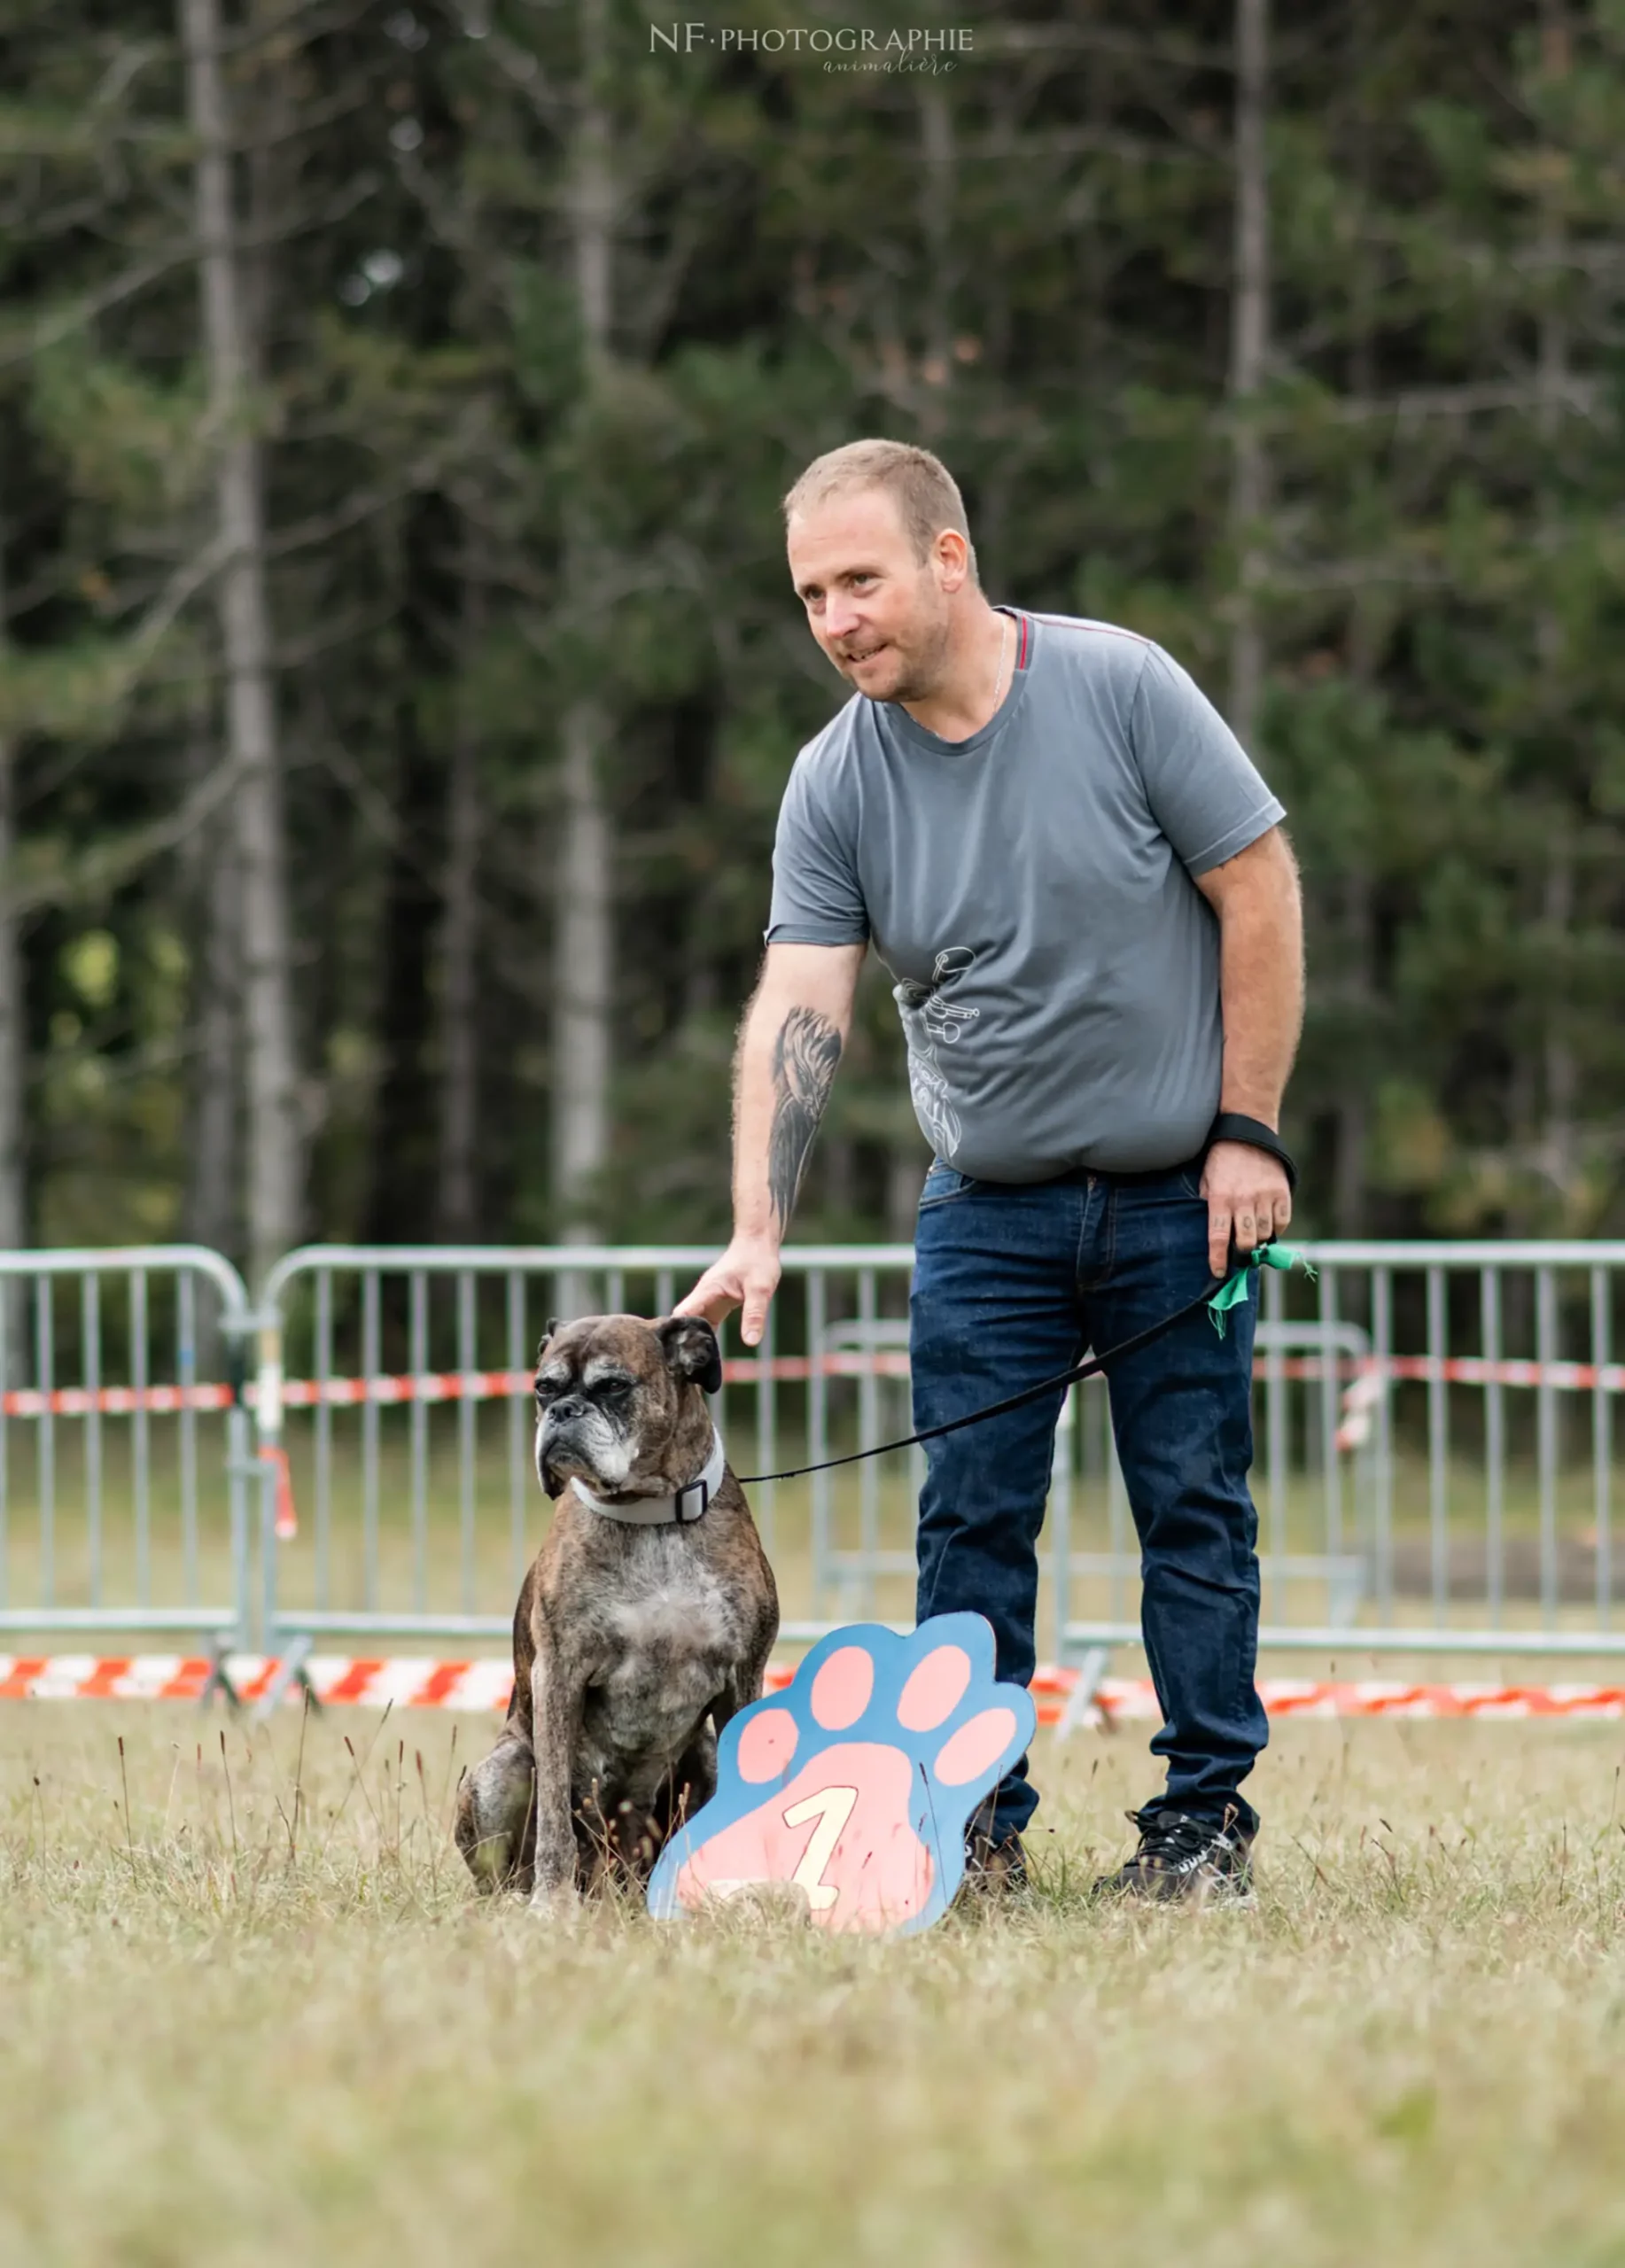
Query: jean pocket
x=942, y=1183
x=1190, y=1179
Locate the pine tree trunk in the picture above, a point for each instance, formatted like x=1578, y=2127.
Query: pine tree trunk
x=13, y=1073
x=212, y=1200
x=1560, y=1077
x=211, y=1160
x=1358, y=952
x=403, y=1182
x=209, y=1207
x=276, y=1134
x=584, y=938
x=583, y=976
x=1354, y=947
x=456, y=1210
x=14, y=1023
x=1249, y=347
x=14, y=1031
x=936, y=199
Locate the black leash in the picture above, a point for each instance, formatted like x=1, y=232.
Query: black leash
x=1089, y=1369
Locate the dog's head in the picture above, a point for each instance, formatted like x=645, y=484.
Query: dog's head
x=620, y=1404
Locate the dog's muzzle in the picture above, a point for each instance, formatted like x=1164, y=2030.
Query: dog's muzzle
x=573, y=1431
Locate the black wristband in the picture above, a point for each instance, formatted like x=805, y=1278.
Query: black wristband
x=1233, y=1126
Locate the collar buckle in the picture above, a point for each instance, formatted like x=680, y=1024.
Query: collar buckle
x=700, y=1488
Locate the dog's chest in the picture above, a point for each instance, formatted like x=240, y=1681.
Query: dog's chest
x=671, y=1637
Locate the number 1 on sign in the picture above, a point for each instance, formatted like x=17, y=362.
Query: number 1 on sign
x=831, y=1808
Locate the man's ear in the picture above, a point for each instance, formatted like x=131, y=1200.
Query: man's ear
x=689, y=1345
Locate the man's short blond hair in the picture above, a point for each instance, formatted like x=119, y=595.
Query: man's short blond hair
x=924, y=491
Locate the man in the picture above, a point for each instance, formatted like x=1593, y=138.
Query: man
x=1080, y=883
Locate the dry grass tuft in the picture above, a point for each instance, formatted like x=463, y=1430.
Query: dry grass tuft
x=254, y=2015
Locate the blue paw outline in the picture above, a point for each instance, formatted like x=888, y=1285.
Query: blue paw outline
x=937, y=1810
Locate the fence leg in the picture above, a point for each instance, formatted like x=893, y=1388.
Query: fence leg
x=290, y=1671
x=1080, y=1708
x=219, y=1679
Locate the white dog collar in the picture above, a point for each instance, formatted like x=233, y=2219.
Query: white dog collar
x=680, y=1511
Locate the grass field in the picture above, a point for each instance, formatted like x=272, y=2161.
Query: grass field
x=256, y=2016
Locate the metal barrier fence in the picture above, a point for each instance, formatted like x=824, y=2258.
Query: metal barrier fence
x=1479, y=1418
x=1434, y=1425
x=123, y=1474
x=418, y=1504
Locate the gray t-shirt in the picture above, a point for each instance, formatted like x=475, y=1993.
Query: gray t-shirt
x=1030, y=890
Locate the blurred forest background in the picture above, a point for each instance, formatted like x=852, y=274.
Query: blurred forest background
x=399, y=671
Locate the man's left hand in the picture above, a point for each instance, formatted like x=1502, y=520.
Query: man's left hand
x=1249, y=1197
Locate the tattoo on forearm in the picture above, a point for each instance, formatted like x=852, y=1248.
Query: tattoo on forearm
x=803, y=1065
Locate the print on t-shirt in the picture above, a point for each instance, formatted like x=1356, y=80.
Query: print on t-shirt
x=927, y=1019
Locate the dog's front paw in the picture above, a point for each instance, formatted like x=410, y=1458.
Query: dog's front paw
x=554, y=1901
x=491, y=1859
x=855, y=1786
x=496, y=1816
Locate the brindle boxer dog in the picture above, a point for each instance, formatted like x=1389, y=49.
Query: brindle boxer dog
x=645, y=1622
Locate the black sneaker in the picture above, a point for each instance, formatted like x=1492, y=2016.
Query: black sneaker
x=1182, y=1859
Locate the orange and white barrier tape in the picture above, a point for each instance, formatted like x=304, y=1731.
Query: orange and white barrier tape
x=406, y=1681
x=387, y=1389
x=111, y=1401
x=1366, y=1375
x=1373, y=1375
x=410, y=1681
x=1369, y=1378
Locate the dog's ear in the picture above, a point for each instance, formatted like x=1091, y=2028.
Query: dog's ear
x=689, y=1345
x=547, y=1337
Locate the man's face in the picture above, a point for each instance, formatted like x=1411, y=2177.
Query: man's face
x=878, y=612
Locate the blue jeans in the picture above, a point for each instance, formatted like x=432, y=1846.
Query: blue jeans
x=1011, y=1284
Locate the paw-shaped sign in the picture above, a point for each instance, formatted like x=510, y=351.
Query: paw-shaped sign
x=855, y=1785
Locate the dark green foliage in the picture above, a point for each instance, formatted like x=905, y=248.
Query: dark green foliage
x=1024, y=262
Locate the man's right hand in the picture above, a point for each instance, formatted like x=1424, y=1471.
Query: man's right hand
x=747, y=1275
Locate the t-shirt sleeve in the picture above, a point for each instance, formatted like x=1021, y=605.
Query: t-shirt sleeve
x=1205, y=792
x=816, y=897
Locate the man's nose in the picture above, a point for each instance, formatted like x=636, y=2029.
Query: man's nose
x=841, y=617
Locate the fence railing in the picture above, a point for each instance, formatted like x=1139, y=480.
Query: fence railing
x=1434, y=1431
x=1476, y=1423
x=397, y=1389
x=124, y=1470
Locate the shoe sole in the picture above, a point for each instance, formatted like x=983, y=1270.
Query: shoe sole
x=1211, y=1896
